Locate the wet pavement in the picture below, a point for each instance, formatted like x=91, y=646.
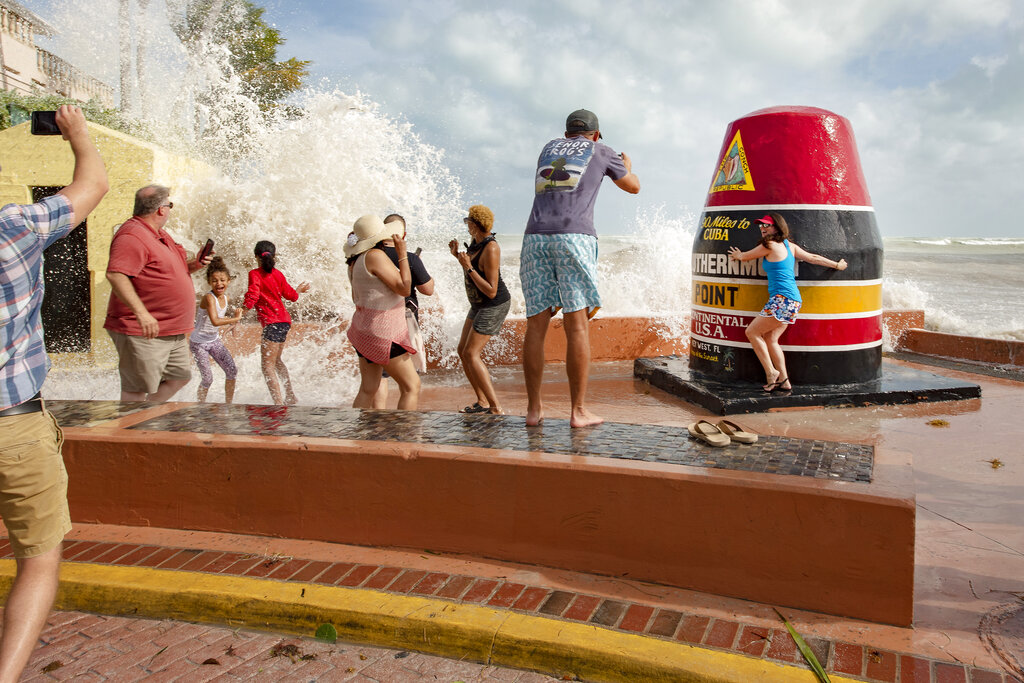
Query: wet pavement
x=831, y=460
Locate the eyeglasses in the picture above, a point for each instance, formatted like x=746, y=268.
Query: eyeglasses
x=169, y=205
x=466, y=220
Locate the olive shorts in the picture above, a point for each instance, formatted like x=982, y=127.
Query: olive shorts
x=145, y=363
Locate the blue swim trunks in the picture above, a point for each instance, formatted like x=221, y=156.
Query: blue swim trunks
x=782, y=308
x=559, y=272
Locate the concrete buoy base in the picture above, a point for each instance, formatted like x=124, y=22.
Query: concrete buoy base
x=897, y=385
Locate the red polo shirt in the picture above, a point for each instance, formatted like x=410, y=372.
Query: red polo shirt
x=158, y=268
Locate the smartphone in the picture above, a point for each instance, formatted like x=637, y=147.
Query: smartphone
x=419, y=250
x=205, y=251
x=45, y=123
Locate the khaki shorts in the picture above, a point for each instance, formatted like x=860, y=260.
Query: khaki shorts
x=33, y=483
x=144, y=363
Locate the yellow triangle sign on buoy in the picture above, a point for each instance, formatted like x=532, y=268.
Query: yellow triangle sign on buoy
x=733, y=171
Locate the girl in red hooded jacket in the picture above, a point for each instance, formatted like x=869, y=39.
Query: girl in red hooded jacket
x=267, y=288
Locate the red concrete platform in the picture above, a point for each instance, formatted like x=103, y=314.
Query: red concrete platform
x=838, y=547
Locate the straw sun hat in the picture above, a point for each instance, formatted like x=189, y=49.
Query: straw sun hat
x=369, y=230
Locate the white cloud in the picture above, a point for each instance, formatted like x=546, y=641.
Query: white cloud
x=929, y=87
x=932, y=88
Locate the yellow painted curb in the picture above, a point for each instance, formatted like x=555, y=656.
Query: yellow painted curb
x=455, y=630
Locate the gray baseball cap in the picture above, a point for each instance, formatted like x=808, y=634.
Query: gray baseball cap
x=581, y=121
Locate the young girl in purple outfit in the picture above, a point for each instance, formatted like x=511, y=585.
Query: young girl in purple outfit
x=205, y=342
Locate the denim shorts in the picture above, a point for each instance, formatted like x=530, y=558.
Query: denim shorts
x=276, y=332
x=559, y=272
x=781, y=308
x=488, y=319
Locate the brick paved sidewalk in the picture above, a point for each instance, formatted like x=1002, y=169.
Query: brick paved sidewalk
x=736, y=633
x=88, y=647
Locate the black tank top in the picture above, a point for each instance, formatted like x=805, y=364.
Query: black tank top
x=476, y=297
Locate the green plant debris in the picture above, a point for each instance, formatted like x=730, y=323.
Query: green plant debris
x=291, y=651
x=52, y=666
x=938, y=423
x=996, y=463
x=808, y=654
x=327, y=633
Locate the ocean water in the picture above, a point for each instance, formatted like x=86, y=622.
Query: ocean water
x=969, y=286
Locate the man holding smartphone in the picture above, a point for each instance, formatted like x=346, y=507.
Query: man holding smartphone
x=152, y=304
x=558, y=261
x=33, y=481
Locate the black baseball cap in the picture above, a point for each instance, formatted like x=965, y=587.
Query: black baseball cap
x=582, y=121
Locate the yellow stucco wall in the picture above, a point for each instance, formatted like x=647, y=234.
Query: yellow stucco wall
x=28, y=161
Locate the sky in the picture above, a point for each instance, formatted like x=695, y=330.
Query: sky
x=934, y=90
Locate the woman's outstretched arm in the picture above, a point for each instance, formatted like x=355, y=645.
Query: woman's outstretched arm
x=816, y=259
x=760, y=251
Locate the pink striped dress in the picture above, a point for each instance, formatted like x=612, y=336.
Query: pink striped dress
x=379, y=320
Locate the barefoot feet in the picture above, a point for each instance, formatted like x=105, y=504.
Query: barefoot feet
x=581, y=417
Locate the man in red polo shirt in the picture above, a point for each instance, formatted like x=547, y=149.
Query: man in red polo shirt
x=152, y=303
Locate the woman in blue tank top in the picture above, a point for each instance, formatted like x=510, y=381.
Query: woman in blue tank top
x=780, y=256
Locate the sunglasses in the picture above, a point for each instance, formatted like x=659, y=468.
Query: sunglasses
x=169, y=205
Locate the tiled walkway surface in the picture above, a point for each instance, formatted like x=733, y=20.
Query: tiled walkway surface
x=87, y=647
x=753, y=638
x=771, y=454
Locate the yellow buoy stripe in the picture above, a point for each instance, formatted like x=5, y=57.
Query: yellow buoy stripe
x=752, y=297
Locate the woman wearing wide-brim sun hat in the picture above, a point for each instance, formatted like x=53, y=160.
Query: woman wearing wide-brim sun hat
x=378, y=330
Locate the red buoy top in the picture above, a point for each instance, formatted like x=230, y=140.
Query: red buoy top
x=789, y=155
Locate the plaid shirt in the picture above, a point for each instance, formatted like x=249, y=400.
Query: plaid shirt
x=25, y=231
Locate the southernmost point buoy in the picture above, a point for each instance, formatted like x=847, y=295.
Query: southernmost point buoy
x=801, y=162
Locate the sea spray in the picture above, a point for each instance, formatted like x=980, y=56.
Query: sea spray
x=647, y=273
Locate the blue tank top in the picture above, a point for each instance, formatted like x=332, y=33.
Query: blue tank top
x=781, y=279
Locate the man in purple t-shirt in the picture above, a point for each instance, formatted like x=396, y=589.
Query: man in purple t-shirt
x=558, y=262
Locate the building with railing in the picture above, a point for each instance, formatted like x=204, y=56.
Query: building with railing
x=28, y=68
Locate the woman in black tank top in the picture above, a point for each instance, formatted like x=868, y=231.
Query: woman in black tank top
x=489, y=301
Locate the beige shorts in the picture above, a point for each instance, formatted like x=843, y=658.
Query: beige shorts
x=33, y=483
x=144, y=363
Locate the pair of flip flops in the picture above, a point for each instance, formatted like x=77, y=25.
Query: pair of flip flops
x=475, y=408
x=721, y=434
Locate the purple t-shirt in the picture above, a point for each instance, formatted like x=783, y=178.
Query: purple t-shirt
x=569, y=174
